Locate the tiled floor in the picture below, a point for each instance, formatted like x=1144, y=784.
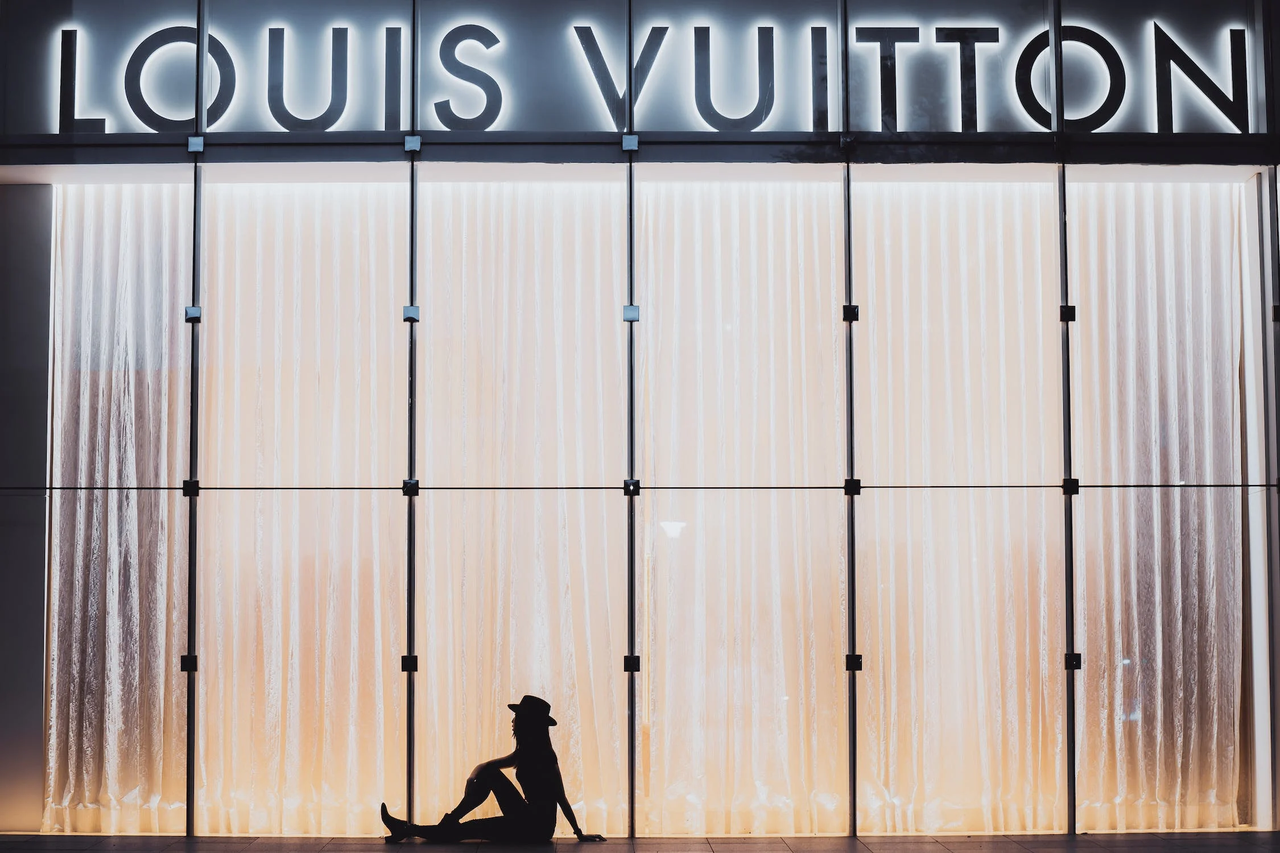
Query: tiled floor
x=1241, y=842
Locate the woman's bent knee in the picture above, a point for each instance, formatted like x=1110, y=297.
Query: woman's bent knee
x=486, y=772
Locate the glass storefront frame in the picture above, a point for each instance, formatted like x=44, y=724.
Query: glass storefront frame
x=421, y=149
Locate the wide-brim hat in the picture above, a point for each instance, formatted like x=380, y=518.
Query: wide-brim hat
x=535, y=709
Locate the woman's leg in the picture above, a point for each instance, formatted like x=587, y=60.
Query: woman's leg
x=513, y=826
x=490, y=780
x=503, y=829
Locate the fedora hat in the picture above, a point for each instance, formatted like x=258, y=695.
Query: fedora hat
x=535, y=709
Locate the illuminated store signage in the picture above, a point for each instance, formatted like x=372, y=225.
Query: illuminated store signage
x=757, y=73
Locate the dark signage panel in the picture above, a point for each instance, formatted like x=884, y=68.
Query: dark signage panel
x=1161, y=66
x=925, y=66
x=737, y=65
x=102, y=67
x=65, y=65
x=320, y=65
x=513, y=65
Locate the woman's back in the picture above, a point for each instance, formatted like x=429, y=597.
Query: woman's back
x=538, y=772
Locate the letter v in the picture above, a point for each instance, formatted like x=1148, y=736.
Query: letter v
x=614, y=102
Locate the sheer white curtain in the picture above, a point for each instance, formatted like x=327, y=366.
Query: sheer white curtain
x=959, y=606
x=117, y=623
x=741, y=527
x=742, y=707
x=302, y=603
x=523, y=383
x=1164, y=271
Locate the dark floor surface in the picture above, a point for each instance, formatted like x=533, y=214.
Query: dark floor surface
x=1243, y=842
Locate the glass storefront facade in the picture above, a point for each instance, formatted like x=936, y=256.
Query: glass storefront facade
x=844, y=433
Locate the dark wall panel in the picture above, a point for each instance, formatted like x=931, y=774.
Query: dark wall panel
x=25, y=252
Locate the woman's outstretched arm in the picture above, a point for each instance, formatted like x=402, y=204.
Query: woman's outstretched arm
x=563, y=800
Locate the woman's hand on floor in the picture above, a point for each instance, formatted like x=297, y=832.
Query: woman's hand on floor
x=590, y=838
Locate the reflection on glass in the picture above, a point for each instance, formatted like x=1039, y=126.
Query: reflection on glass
x=742, y=707
x=301, y=626
x=304, y=344
x=1164, y=717
x=523, y=592
x=958, y=366
x=522, y=352
x=740, y=353
x=960, y=622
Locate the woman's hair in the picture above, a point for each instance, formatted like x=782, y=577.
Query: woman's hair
x=532, y=737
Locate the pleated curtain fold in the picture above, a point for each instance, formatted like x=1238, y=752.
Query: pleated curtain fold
x=742, y=713
x=960, y=559
x=1164, y=274
x=118, y=546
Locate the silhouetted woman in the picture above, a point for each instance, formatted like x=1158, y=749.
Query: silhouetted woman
x=530, y=818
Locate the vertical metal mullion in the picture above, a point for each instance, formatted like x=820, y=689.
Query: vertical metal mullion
x=193, y=428
x=851, y=540
x=411, y=547
x=1068, y=506
x=411, y=509
x=631, y=431
x=1269, y=234
x=1068, y=516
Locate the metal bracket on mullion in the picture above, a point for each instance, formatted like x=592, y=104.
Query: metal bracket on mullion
x=853, y=663
x=850, y=314
x=1073, y=661
x=631, y=663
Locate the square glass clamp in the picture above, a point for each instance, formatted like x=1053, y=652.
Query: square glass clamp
x=193, y=314
x=1071, y=486
x=187, y=663
x=191, y=488
x=631, y=488
x=852, y=488
x=850, y=313
x=413, y=143
x=853, y=663
x=1067, y=313
x=409, y=663
x=412, y=314
x=410, y=488
x=631, y=313
x=630, y=142
x=1073, y=661
x=631, y=663
x=1275, y=313
x=195, y=144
